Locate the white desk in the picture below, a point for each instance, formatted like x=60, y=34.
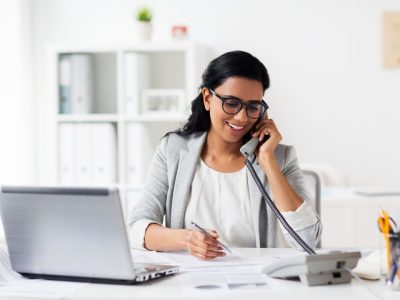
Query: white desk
x=350, y=220
x=169, y=288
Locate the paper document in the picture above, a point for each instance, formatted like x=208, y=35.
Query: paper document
x=12, y=284
x=210, y=283
x=7, y=274
x=186, y=262
x=41, y=289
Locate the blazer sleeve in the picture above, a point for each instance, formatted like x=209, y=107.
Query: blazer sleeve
x=305, y=221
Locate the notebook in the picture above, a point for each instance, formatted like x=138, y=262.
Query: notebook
x=75, y=234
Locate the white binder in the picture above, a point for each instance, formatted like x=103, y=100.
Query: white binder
x=64, y=84
x=67, y=154
x=87, y=154
x=104, y=150
x=81, y=83
x=83, y=148
x=139, y=153
x=137, y=78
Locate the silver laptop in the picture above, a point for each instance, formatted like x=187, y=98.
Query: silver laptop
x=76, y=234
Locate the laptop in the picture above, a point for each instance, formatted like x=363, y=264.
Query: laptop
x=73, y=234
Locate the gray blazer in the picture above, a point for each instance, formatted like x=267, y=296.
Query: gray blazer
x=166, y=190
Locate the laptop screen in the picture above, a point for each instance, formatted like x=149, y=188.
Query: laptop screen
x=66, y=231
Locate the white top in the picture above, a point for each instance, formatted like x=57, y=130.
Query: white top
x=221, y=201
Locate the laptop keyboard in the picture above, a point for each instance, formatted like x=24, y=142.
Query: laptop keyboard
x=146, y=268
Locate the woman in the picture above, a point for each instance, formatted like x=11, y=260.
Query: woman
x=198, y=173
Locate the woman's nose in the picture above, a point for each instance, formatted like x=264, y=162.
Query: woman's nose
x=241, y=115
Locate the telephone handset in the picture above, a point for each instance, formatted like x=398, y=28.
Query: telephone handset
x=249, y=148
x=312, y=269
x=251, y=144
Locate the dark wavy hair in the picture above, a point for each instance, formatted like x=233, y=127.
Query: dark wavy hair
x=230, y=64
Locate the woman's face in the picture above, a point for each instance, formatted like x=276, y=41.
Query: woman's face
x=232, y=128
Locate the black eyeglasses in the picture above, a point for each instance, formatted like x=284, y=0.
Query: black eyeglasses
x=233, y=105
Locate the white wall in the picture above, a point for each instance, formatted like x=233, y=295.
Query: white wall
x=16, y=101
x=330, y=95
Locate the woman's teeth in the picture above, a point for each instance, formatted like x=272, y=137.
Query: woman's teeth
x=235, y=126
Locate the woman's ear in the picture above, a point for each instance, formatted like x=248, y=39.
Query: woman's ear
x=206, y=98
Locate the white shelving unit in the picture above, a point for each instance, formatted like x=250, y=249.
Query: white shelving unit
x=122, y=76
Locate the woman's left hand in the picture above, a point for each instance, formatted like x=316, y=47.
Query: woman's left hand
x=267, y=126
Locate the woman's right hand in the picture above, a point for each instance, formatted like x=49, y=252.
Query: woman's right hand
x=203, y=246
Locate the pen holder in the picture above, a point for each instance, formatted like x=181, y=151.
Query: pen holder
x=393, y=260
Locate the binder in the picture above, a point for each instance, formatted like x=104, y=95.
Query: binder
x=87, y=154
x=67, y=154
x=81, y=83
x=139, y=153
x=64, y=87
x=137, y=78
x=83, y=148
x=104, y=150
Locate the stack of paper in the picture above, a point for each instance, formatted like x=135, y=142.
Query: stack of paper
x=232, y=274
x=13, y=284
x=232, y=263
x=205, y=283
x=7, y=274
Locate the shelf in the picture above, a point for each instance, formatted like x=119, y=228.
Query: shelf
x=88, y=118
x=153, y=117
x=157, y=117
x=132, y=96
x=146, y=46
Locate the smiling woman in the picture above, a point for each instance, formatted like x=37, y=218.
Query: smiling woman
x=226, y=112
x=198, y=173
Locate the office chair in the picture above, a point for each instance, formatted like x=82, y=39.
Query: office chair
x=313, y=186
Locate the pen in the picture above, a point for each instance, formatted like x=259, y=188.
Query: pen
x=209, y=235
x=385, y=228
x=392, y=273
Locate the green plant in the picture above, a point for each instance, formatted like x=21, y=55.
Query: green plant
x=144, y=14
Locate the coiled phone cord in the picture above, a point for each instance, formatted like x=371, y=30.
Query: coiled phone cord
x=275, y=210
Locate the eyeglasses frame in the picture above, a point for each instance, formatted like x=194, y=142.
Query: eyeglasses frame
x=224, y=99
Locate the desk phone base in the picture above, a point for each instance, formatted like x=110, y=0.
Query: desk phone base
x=316, y=269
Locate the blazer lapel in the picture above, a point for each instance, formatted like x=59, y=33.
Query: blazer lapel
x=188, y=159
x=255, y=200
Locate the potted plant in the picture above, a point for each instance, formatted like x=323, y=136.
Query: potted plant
x=143, y=20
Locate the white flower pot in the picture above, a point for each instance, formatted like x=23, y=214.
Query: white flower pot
x=144, y=30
